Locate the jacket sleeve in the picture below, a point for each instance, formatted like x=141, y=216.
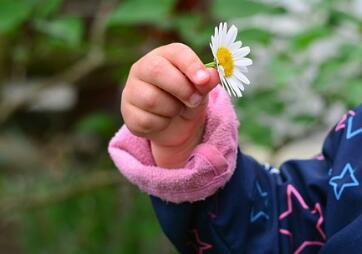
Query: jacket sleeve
x=223, y=201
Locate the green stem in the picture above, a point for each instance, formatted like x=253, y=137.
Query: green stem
x=211, y=64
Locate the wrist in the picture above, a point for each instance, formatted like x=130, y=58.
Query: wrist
x=177, y=156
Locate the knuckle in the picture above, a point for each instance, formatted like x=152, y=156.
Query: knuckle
x=180, y=49
x=155, y=66
x=185, y=50
x=135, y=131
x=133, y=67
x=164, y=124
x=150, y=99
x=179, y=46
x=145, y=124
x=184, y=93
x=187, y=53
x=137, y=124
x=190, y=60
x=174, y=109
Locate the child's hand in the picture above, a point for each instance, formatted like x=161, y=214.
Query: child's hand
x=165, y=99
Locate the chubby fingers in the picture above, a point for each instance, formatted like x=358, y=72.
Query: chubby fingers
x=153, y=99
x=143, y=123
x=158, y=71
x=186, y=61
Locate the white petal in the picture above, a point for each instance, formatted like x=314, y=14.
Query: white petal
x=222, y=39
x=215, y=37
x=244, y=62
x=243, y=69
x=221, y=32
x=231, y=35
x=239, y=75
x=225, y=85
x=213, y=45
x=221, y=71
x=217, y=33
x=241, y=52
x=212, y=50
x=241, y=86
x=235, y=46
x=233, y=82
x=230, y=86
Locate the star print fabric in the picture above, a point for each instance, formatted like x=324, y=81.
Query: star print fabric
x=307, y=206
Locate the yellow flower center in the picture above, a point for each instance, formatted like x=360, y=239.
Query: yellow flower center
x=225, y=59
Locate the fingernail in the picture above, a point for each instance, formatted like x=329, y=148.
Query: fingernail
x=201, y=75
x=195, y=100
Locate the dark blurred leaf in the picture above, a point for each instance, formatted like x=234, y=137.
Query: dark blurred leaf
x=260, y=134
x=45, y=8
x=67, y=29
x=305, y=38
x=352, y=92
x=328, y=78
x=193, y=31
x=97, y=123
x=331, y=78
x=305, y=119
x=226, y=9
x=262, y=102
x=283, y=71
x=255, y=35
x=342, y=15
x=133, y=12
x=13, y=13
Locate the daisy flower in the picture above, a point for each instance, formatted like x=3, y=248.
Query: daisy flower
x=230, y=59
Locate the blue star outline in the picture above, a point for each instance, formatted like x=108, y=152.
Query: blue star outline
x=339, y=188
x=263, y=197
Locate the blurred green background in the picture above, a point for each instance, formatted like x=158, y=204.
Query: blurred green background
x=63, y=64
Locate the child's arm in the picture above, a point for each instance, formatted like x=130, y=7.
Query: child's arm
x=209, y=205
x=165, y=101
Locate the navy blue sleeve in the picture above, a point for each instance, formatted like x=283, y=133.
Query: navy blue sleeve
x=307, y=206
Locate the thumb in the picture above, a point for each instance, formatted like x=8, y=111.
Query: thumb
x=210, y=83
x=204, y=89
x=192, y=114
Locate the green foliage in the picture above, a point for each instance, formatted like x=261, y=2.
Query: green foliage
x=282, y=72
x=304, y=39
x=13, y=14
x=97, y=123
x=255, y=35
x=48, y=40
x=131, y=12
x=92, y=223
x=46, y=8
x=66, y=29
x=193, y=30
x=226, y=9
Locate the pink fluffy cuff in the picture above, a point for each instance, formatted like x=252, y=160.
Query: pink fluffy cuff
x=209, y=167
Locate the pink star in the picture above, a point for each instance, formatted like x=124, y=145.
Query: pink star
x=342, y=122
x=317, y=210
x=201, y=246
x=320, y=157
